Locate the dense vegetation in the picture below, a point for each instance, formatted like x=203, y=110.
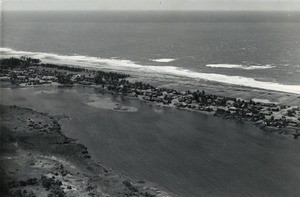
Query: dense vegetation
x=11, y=63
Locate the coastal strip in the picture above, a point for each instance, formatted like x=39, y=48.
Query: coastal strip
x=38, y=160
x=270, y=117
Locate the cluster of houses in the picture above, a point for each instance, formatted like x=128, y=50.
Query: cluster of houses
x=268, y=116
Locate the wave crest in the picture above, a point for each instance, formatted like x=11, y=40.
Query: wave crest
x=164, y=60
x=238, y=66
x=131, y=67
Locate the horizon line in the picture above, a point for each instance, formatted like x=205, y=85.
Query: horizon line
x=268, y=10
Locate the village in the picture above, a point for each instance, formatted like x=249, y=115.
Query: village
x=269, y=117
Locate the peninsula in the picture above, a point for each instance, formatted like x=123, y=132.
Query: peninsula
x=270, y=117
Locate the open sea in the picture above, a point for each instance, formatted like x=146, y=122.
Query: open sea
x=253, y=49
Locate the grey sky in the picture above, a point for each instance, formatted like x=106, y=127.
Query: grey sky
x=150, y=4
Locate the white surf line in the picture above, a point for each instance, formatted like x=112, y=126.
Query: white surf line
x=163, y=60
x=238, y=66
x=128, y=66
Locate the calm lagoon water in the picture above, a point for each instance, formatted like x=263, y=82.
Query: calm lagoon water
x=186, y=153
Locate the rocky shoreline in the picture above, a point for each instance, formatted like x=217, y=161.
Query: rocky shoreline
x=270, y=117
x=38, y=160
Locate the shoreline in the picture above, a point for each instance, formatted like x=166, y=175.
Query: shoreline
x=38, y=160
x=270, y=117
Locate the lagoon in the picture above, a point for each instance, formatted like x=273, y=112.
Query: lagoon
x=186, y=153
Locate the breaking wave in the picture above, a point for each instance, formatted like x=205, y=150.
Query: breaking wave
x=239, y=66
x=131, y=67
x=164, y=60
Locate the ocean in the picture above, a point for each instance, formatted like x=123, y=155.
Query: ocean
x=248, y=49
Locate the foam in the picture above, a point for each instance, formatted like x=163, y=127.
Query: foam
x=164, y=60
x=238, y=66
x=131, y=67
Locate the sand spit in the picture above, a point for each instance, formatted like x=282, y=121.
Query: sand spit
x=272, y=117
x=38, y=160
